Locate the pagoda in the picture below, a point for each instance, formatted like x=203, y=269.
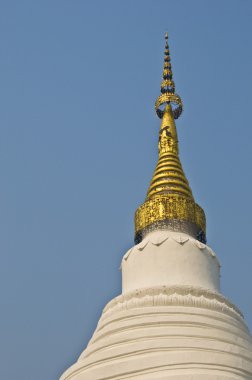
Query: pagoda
x=171, y=320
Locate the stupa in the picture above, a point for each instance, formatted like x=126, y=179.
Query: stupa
x=171, y=321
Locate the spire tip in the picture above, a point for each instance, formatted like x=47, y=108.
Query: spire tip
x=168, y=95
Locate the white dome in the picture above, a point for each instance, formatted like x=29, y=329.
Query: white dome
x=170, y=322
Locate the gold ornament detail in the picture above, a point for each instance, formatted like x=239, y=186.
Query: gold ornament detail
x=173, y=207
x=169, y=203
x=169, y=98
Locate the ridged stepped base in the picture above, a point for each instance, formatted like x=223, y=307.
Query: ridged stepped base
x=167, y=333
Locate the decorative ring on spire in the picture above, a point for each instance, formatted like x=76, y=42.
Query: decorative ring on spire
x=169, y=98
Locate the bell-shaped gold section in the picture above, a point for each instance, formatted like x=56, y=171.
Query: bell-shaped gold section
x=169, y=203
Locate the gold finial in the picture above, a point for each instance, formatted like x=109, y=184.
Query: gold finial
x=169, y=203
x=168, y=95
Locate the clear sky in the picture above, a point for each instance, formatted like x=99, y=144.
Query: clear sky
x=78, y=145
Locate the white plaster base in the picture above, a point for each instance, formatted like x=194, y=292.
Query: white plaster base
x=167, y=333
x=170, y=258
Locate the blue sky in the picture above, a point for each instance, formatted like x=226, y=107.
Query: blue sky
x=78, y=146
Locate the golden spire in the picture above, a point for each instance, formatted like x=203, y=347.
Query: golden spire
x=169, y=203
